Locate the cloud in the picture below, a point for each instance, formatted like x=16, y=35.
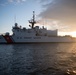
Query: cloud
x=61, y=10
x=18, y=1
x=3, y=2
x=10, y=0
x=6, y=2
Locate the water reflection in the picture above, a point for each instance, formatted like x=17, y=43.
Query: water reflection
x=33, y=57
x=38, y=59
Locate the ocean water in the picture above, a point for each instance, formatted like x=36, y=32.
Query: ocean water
x=38, y=59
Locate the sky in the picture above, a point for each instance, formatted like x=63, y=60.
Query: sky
x=53, y=14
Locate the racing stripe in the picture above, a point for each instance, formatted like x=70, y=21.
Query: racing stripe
x=8, y=39
x=12, y=39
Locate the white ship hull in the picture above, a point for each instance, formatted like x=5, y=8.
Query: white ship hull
x=39, y=39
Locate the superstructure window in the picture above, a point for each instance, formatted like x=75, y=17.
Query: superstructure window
x=20, y=37
x=37, y=37
x=18, y=30
x=27, y=37
x=17, y=37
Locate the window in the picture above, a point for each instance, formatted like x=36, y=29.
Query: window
x=27, y=37
x=17, y=37
x=37, y=37
x=20, y=37
x=17, y=30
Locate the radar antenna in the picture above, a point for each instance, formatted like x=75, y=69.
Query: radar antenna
x=33, y=22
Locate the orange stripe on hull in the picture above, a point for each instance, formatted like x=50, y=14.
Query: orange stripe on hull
x=8, y=39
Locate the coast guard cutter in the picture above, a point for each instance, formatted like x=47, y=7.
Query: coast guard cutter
x=33, y=35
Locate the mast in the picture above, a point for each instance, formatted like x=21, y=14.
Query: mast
x=32, y=22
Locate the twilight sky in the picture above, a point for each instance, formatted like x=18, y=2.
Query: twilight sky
x=59, y=14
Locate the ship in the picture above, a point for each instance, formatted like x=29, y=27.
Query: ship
x=34, y=34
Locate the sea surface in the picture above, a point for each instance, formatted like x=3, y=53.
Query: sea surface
x=38, y=59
